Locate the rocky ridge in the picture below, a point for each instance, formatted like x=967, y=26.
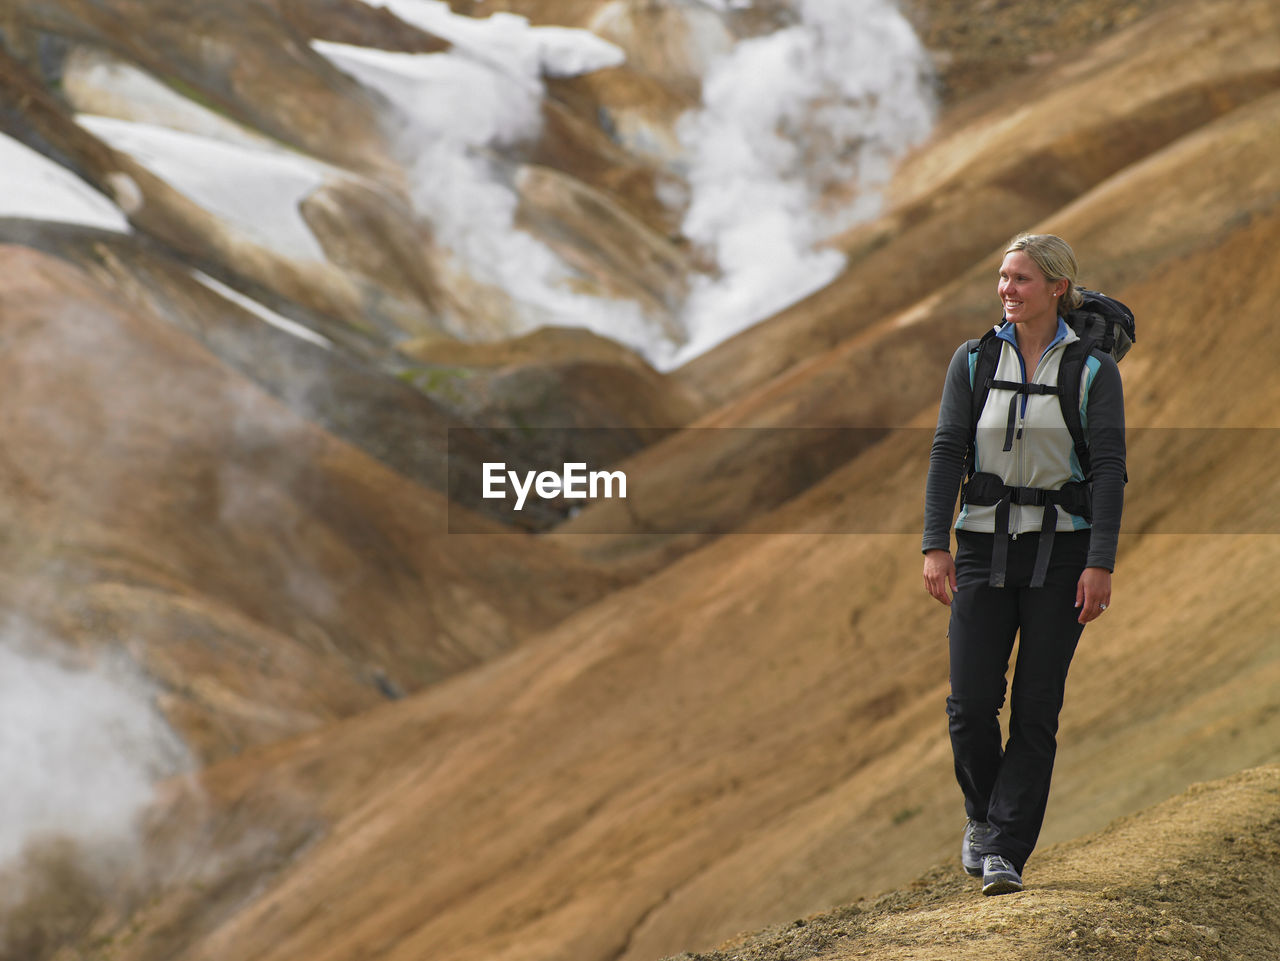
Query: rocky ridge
x=414, y=743
x=1193, y=877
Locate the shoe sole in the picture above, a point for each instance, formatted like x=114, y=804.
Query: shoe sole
x=973, y=872
x=1003, y=886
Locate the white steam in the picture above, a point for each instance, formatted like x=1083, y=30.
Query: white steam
x=458, y=107
x=80, y=750
x=508, y=41
x=798, y=134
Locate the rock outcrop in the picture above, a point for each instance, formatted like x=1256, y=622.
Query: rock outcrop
x=232, y=445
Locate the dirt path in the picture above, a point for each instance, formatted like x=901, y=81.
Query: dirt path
x=1196, y=878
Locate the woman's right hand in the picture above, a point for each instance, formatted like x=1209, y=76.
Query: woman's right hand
x=939, y=574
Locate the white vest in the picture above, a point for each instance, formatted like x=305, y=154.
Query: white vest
x=1042, y=455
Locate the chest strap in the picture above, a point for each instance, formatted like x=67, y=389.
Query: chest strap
x=985, y=490
x=1019, y=389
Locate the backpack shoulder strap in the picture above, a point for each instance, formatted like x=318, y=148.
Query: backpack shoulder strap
x=983, y=370
x=982, y=373
x=1070, y=369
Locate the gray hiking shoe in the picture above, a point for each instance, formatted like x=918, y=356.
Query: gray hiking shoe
x=999, y=876
x=975, y=832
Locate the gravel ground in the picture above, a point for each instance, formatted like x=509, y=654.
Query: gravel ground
x=1196, y=878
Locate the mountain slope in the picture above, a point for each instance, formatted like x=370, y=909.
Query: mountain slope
x=269, y=575
x=753, y=452
x=1008, y=157
x=1193, y=876
x=756, y=732
x=751, y=729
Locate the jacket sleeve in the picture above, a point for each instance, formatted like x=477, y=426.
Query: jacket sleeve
x=946, y=458
x=1105, y=436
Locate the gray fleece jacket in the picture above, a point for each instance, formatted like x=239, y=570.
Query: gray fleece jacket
x=1042, y=453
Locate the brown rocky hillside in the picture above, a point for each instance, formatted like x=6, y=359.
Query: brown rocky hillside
x=1193, y=877
x=138, y=474
x=716, y=708
x=898, y=311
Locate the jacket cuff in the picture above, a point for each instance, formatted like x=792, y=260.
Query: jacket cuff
x=936, y=543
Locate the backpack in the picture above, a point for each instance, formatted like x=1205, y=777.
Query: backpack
x=1103, y=325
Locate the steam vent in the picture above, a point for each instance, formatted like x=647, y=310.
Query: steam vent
x=462, y=475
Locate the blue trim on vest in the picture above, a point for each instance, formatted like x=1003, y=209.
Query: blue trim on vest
x=1091, y=367
x=1006, y=333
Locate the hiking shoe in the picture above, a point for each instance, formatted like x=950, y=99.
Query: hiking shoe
x=999, y=876
x=975, y=832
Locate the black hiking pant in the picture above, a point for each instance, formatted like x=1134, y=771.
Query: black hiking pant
x=1008, y=787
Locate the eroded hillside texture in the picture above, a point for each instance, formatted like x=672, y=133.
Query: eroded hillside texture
x=279, y=277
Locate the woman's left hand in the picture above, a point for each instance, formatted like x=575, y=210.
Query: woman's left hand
x=1093, y=593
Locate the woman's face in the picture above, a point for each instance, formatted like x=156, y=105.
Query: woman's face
x=1025, y=293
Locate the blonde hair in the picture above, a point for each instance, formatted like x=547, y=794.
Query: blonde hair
x=1056, y=261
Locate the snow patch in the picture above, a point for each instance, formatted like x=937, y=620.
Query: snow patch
x=262, y=311
x=39, y=189
x=508, y=41
x=798, y=134
x=97, y=84
x=447, y=96
x=258, y=192
x=456, y=107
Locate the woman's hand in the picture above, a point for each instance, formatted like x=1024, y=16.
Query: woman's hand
x=939, y=573
x=1093, y=593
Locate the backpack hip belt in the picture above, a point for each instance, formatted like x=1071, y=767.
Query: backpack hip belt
x=986, y=490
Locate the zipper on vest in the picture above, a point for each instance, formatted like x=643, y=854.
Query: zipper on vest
x=1022, y=447
x=1015, y=510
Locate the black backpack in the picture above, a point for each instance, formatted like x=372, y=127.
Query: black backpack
x=1102, y=324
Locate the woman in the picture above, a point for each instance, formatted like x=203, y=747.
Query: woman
x=1030, y=559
